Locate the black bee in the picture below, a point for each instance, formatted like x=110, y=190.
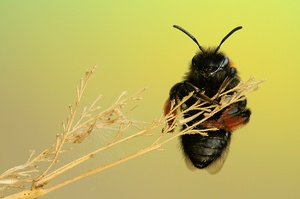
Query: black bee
x=210, y=71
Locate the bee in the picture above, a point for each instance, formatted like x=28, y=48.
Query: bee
x=209, y=72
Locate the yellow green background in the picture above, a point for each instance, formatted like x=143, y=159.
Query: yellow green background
x=46, y=46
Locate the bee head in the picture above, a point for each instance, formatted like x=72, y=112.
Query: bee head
x=209, y=63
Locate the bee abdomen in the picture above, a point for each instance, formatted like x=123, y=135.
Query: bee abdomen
x=204, y=150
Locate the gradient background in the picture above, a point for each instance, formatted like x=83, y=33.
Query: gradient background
x=46, y=46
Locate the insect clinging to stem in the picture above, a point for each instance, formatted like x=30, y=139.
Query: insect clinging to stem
x=210, y=73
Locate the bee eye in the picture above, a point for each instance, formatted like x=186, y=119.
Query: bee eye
x=224, y=62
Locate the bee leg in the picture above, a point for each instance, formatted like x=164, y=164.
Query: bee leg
x=176, y=91
x=200, y=95
x=172, y=102
x=226, y=82
x=233, y=117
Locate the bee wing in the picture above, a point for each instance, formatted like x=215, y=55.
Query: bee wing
x=217, y=165
x=189, y=164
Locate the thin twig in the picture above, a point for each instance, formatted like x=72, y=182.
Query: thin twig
x=77, y=130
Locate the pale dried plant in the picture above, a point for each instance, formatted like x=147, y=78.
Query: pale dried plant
x=33, y=183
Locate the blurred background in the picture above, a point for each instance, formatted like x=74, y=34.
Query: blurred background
x=46, y=47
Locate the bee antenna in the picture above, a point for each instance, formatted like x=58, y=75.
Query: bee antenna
x=226, y=37
x=191, y=36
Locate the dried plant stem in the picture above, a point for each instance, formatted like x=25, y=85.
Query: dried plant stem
x=101, y=168
x=67, y=129
x=76, y=130
x=31, y=194
x=83, y=159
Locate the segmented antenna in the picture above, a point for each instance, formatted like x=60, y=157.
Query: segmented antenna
x=200, y=47
x=228, y=35
x=191, y=36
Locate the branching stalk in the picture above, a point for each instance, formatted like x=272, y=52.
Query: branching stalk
x=35, y=183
